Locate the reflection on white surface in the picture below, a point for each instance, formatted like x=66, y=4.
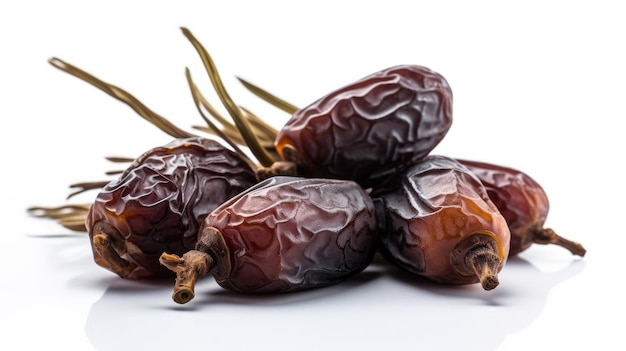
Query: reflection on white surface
x=377, y=309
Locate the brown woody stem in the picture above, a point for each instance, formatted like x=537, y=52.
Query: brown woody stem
x=548, y=236
x=478, y=255
x=69, y=216
x=286, y=168
x=238, y=115
x=86, y=186
x=485, y=264
x=201, y=102
x=103, y=243
x=188, y=268
x=272, y=99
x=123, y=96
x=211, y=255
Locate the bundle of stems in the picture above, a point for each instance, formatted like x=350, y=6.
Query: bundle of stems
x=243, y=129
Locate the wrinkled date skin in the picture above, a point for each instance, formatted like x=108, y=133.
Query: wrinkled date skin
x=372, y=128
x=159, y=202
x=436, y=205
x=523, y=203
x=291, y=234
x=283, y=234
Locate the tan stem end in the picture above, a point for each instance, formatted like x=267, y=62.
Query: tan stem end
x=103, y=245
x=548, y=236
x=485, y=264
x=478, y=256
x=188, y=268
x=285, y=168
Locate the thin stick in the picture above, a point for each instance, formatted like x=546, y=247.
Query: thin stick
x=272, y=99
x=233, y=109
x=69, y=216
x=123, y=96
x=85, y=186
x=119, y=159
x=262, y=129
x=196, y=98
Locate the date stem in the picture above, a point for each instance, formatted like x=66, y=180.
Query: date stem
x=103, y=243
x=479, y=255
x=238, y=115
x=123, y=96
x=272, y=99
x=188, y=268
x=71, y=217
x=485, y=264
x=200, y=101
x=547, y=236
x=211, y=255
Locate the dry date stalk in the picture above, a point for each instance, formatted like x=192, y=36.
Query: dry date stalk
x=201, y=102
x=123, y=96
x=478, y=255
x=71, y=217
x=104, y=241
x=272, y=99
x=211, y=254
x=233, y=109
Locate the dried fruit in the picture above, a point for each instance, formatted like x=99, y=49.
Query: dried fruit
x=523, y=203
x=173, y=209
x=372, y=128
x=365, y=131
x=283, y=234
x=437, y=221
x=158, y=203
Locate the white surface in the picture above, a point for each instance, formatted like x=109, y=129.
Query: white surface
x=538, y=86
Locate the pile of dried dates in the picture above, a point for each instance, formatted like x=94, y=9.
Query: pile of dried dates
x=347, y=177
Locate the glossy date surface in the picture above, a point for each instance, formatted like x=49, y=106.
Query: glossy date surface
x=523, y=203
x=428, y=210
x=291, y=233
x=159, y=201
x=372, y=128
x=520, y=199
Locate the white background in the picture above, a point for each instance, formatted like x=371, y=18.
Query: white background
x=538, y=85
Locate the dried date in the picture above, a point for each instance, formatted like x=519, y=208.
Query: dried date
x=283, y=234
x=158, y=203
x=370, y=129
x=523, y=203
x=436, y=220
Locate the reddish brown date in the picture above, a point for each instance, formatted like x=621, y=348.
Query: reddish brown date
x=370, y=129
x=284, y=234
x=158, y=203
x=523, y=203
x=437, y=221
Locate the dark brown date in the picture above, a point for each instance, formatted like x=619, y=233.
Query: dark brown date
x=284, y=234
x=436, y=220
x=158, y=203
x=370, y=129
x=523, y=203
